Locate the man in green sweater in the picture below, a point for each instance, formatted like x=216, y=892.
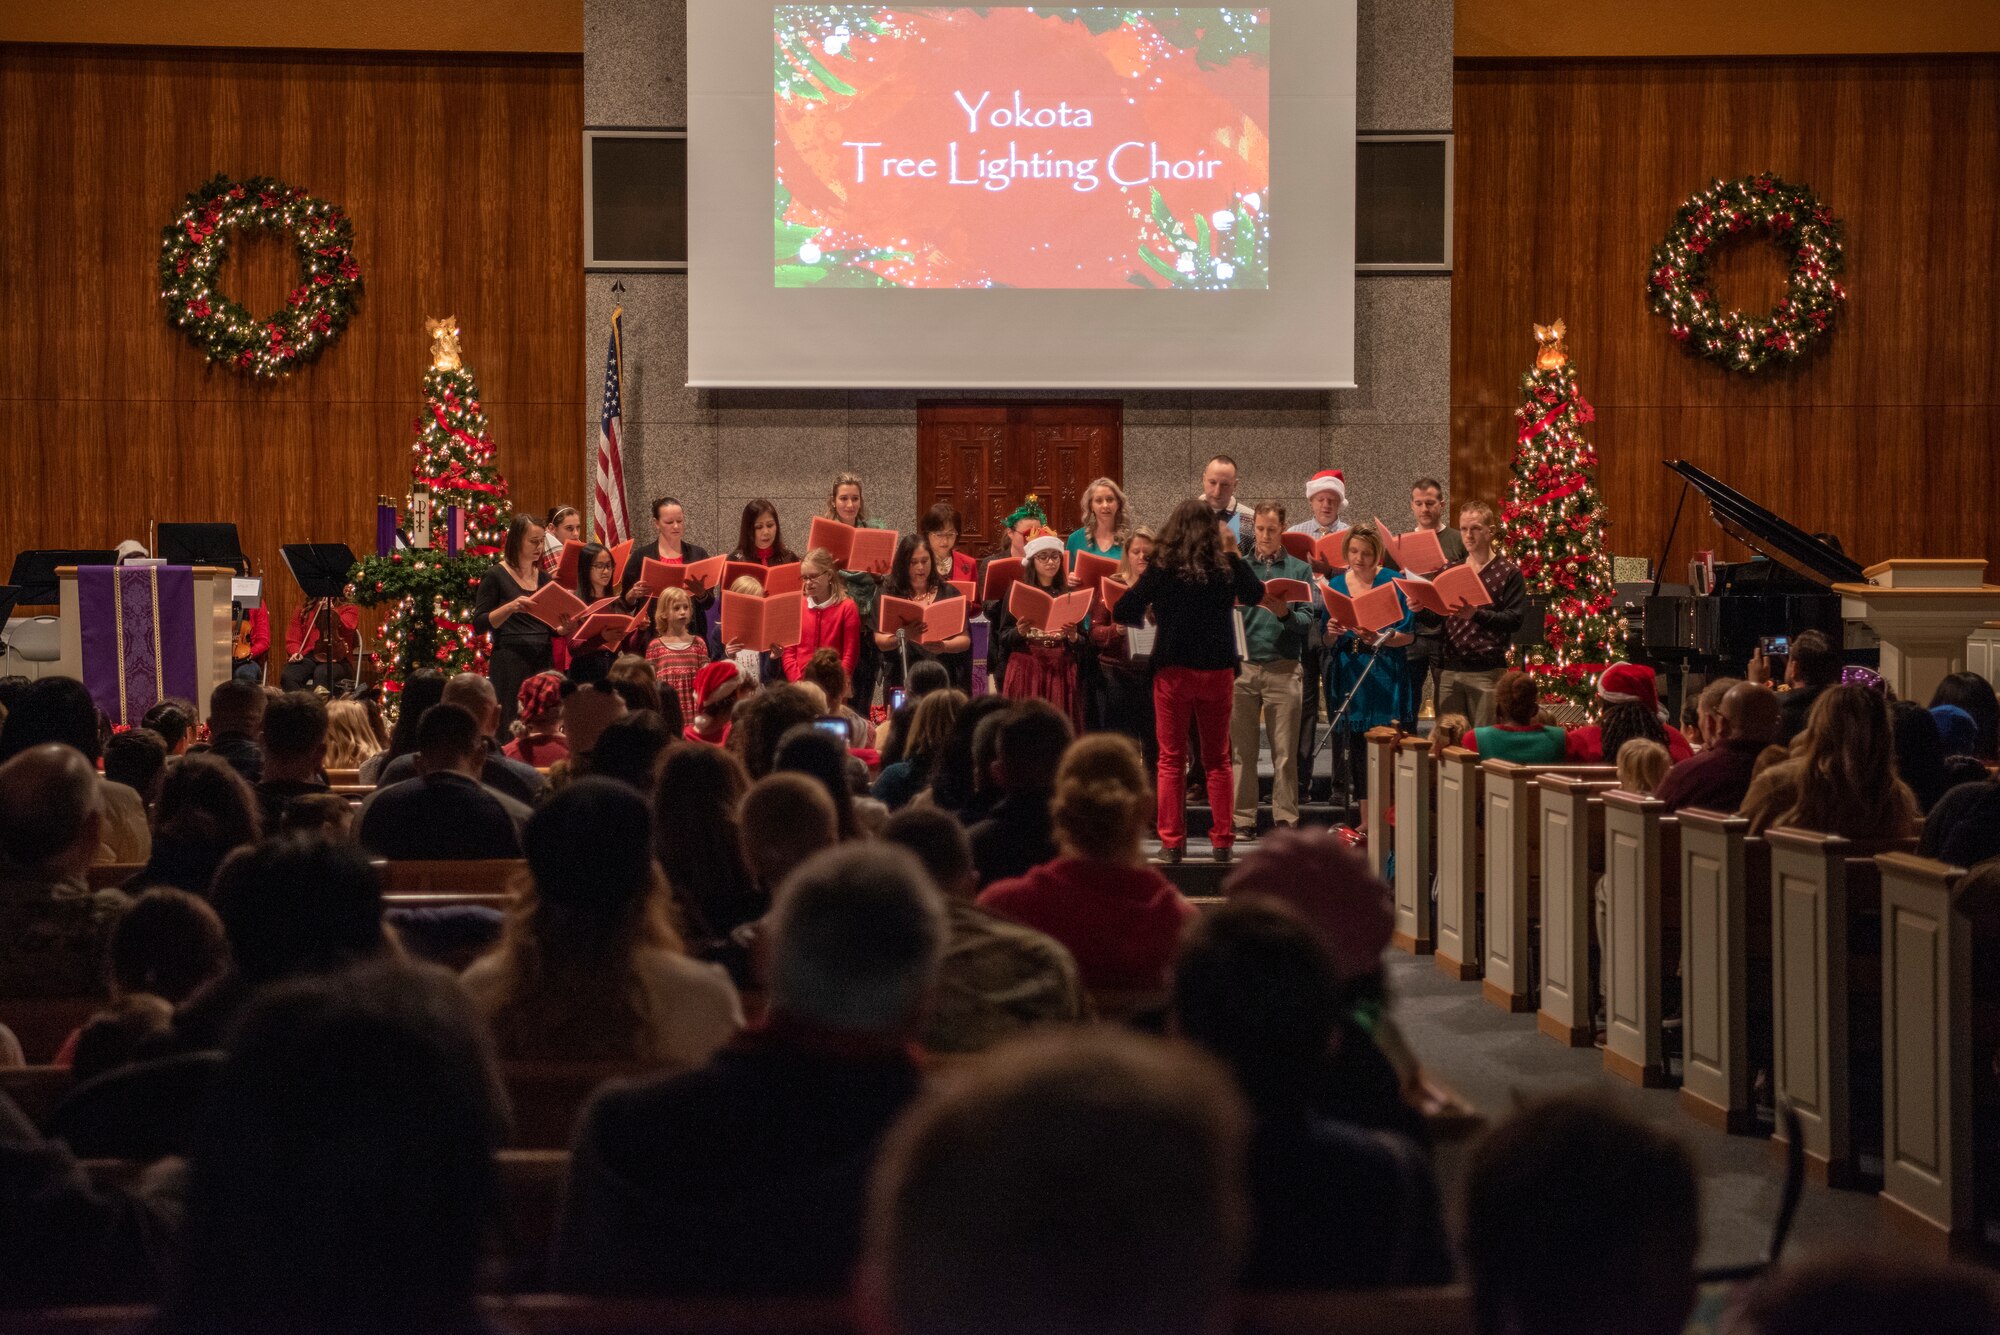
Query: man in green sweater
x=1269, y=691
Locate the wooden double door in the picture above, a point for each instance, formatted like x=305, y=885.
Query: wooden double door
x=985, y=457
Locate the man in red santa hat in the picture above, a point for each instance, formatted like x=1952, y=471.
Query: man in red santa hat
x=1326, y=493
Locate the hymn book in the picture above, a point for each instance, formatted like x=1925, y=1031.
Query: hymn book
x=552, y=604
x=697, y=579
x=767, y=624
x=1279, y=594
x=1050, y=614
x=566, y=564
x=1001, y=572
x=1418, y=552
x=605, y=621
x=928, y=623
x=1452, y=592
x=1375, y=610
x=1091, y=570
x=869, y=550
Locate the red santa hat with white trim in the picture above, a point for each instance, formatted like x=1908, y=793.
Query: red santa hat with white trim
x=1630, y=684
x=1327, y=479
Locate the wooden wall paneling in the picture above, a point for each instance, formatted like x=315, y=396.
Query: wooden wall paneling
x=463, y=178
x=1568, y=173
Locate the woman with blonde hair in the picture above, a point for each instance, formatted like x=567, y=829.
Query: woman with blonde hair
x=1642, y=763
x=846, y=504
x=589, y=968
x=350, y=739
x=1364, y=668
x=831, y=618
x=1106, y=526
x=1100, y=897
x=930, y=728
x=1841, y=778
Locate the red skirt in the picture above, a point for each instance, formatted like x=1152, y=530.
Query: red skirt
x=1045, y=672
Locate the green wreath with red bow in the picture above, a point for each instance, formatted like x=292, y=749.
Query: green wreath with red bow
x=1797, y=223
x=192, y=249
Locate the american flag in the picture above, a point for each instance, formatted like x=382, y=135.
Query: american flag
x=607, y=508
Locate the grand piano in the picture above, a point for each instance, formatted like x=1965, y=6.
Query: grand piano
x=1786, y=589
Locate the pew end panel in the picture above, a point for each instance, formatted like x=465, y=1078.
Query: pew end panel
x=1460, y=870
x=1639, y=840
x=1724, y=875
x=1572, y=814
x=1416, y=847
x=1512, y=878
x=1381, y=775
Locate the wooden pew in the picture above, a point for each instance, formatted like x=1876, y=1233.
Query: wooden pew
x=1460, y=870
x=547, y=1097
x=479, y=877
x=1381, y=768
x=1512, y=879
x=43, y=1023
x=1416, y=846
x=343, y=778
x=1572, y=858
x=1642, y=880
x=112, y=875
x=1725, y=879
x=36, y=1090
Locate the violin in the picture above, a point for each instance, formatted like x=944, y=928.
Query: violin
x=314, y=617
x=240, y=649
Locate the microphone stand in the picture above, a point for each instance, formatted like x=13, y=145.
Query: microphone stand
x=1333, y=725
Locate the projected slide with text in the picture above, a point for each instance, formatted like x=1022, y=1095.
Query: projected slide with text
x=1045, y=147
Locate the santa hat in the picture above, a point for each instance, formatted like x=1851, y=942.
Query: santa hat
x=1327, y=479
x=1044, y=541
x=715, y=683
x=1630, y=684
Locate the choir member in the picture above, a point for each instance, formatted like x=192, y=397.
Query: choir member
x=1326, y=494
x=669, y=546
x=522, y=644
x=1422, y=662
x=940, y=527
x=565, y=525
x=596, y=580
x=1364, y=671
x=1105, y=523
x=830, y=619
x=1128, y=679
x=847, y=504
x=1040, y=665
x=1028, y=518
x=677, y=652
x=760, y=539
x=912, y=577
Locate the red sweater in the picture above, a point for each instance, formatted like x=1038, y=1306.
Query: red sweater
x=1121, y=923
x=1586, y=746
x=836, y=626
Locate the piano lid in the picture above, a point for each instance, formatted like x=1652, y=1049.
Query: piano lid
x=1762, y=531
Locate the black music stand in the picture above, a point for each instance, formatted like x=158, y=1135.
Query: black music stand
x=201, y=545
x=35, y=572
x=320, y=570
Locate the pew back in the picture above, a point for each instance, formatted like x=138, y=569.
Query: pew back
x=1459, y=854
x=1512, y=875
x=1416, y=849
x=1381, y=744
x=1725, y=895
x=1641, y=843
x=483, y=877
x=43, y=1024
x=1572, y=856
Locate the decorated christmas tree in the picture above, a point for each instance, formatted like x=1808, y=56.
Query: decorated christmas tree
x=1553, y=524
x=433, y=586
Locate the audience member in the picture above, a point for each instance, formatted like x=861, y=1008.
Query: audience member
x=1841, y=778
x=588, y=709
x=504, y=775
x=1581, y=1219
x=325, y=815
x=53, y=926
x=1958, y=741
x=699, y=843
x=765, y=718
x=59, y=709
x=786, y=818
x=206, y=812
x=962, y=778
x=350, y=737
x=421, y=689
x=637, y=682
x=996, y=978
x=295, y=730
x=717, y=689
x=1642, y=763
x=344, y=1174
x=901, y=780
x=236, y=726
x=114, y=1036
x=823, y=670
x=1975, y=695
x=747, y=1177
x=1812, y=666
x=1743, y=722
x=1017, y=835
x=538, y=739
x=137, y=758
x=1920, y=752
x=806, y=750
x=1964, y=827
x=1629, y=697
x=167, y=943
x=926, y=676
x=1069, y=1184
x=589, y=968
x=628, y=750
x=1847, y=1291
x=1336, y=1207
x=1101, y=898
x=174, y=721
x=1447, y=731
x=1708, y=711
x=1517, y=733
x=444, y=813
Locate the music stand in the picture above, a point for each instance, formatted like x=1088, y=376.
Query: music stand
x=200, y=545
x=35, y=572
x=320, y=570
x=9, y=595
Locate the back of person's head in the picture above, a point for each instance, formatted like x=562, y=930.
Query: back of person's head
x=167, y=943
x=137, y=758
x=806, y=750
x=236, y=706
x=1853, y=1292
x=959, y=773
x=629, y=748
x=295, y=727
x=824, y=670
x=1515, y=699
x=931, y=726
x=1329, y=885
x=422, y=690
x=1031, y=742
x=11, y=687
x=350, y=735
x=53, y=709
x=474, y=693
x=763, y=720
x=1975, y=695
x=1958, y=731
x=856, y=935
x=1850, y=760
x=588, y=708
x=590, y=852
x=341, y=1176
x=50, y=808
x=1708, y=705
x=786, y=819
x=1814, y=660
x=697, y=838
x=1080, y=1183
x=1628, y=720
x=205, y=801
x=1920, y=751
x=112, y=1037
x=1641, y=764
x=1448, y=730
x=294, y=905
x=940, y=843
x=1254, y=986
x=926, y=676
x=1102, y=799
x=1581, y=1219
x=174, y=721
x=323, y=815
x=634, y=679
x=1751, y=712
x=447, y=738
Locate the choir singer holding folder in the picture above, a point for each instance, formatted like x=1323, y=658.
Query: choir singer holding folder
x=669, y=523
x=523, y=643
x=1367, y=638
x=1476, y=636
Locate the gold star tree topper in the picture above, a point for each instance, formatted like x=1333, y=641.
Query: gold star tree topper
x=444, y=343
x=1550, y=354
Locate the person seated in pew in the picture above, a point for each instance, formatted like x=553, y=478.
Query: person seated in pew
x=236, y=727
x=747, y=1176
x=1629, y=696
x=1017, y=834
x=628, y=750
x=1336, y=1206
x=1964, y=827
x=902, y=779
x=343, y=1177
x=503, y=774
x=59, y=709
x=1958, y=741
x=1708, y=712
x=1581, y=1219
x=1841, y=778
x=1811, y=668
x=1975, y=695
x=137, y=758
x=1517, y=732
x=1919, y=749
x=174, y=721
x=538, y=736
x=444, y=812
x=325, y=815
x=698, y=841
x=112, y=1037
x=1642, y=763
x=996, y=978
x=350, y=735
x=786, y=819
x=1447, y=731
x=893, y=733
x=422, y=689
x=53, y=926
x=1114, y=911
x=717, y=688
x=808, y=751
x=589, y=967
x=1085, y=1183
x=1850, y=1291
x=206, y=812
x=763, y=720
x=295, y=727
x=167, y=945
x=962, y=781
x=1742, y=723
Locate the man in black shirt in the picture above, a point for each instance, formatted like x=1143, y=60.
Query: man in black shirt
x=294, y=751
x=502, y=773
x=444, y=813
x=235, y=723
x=1019, y=833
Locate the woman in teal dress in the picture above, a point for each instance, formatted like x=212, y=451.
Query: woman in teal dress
x=1105, y=523
x=1368, y=666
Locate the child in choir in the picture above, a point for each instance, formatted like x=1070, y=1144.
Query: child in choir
x=939, y=528
x=1040, y=665
x=1365, y=671
x=1128, y=681
x=717, y=687
x=757, y=668
x=831, y=617
x=914, y=579
x=760, y=538
x=676, y=653
x=1105, y=524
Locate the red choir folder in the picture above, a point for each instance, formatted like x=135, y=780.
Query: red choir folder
x=1279, y=594
x=1299, y=545
x=1377, y=609
x=1453, y=591
x=736, y=570
x=929, y=623
x=566, y=565
x=782, y=579
x=1416, y=553
x=697, y=579
x=964, y=586
x=869, y=550
x=1052, y=615
x=1091, y=570
x=1001, y=572
x=1110, y=591
x=765, y=624
x=621, y=554
x=552, y=604
x=603, y=621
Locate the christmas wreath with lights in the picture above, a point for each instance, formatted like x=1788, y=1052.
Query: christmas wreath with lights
x=1798, y=223
x=192, y=249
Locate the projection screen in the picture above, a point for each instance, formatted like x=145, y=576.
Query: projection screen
x=1021, y=197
